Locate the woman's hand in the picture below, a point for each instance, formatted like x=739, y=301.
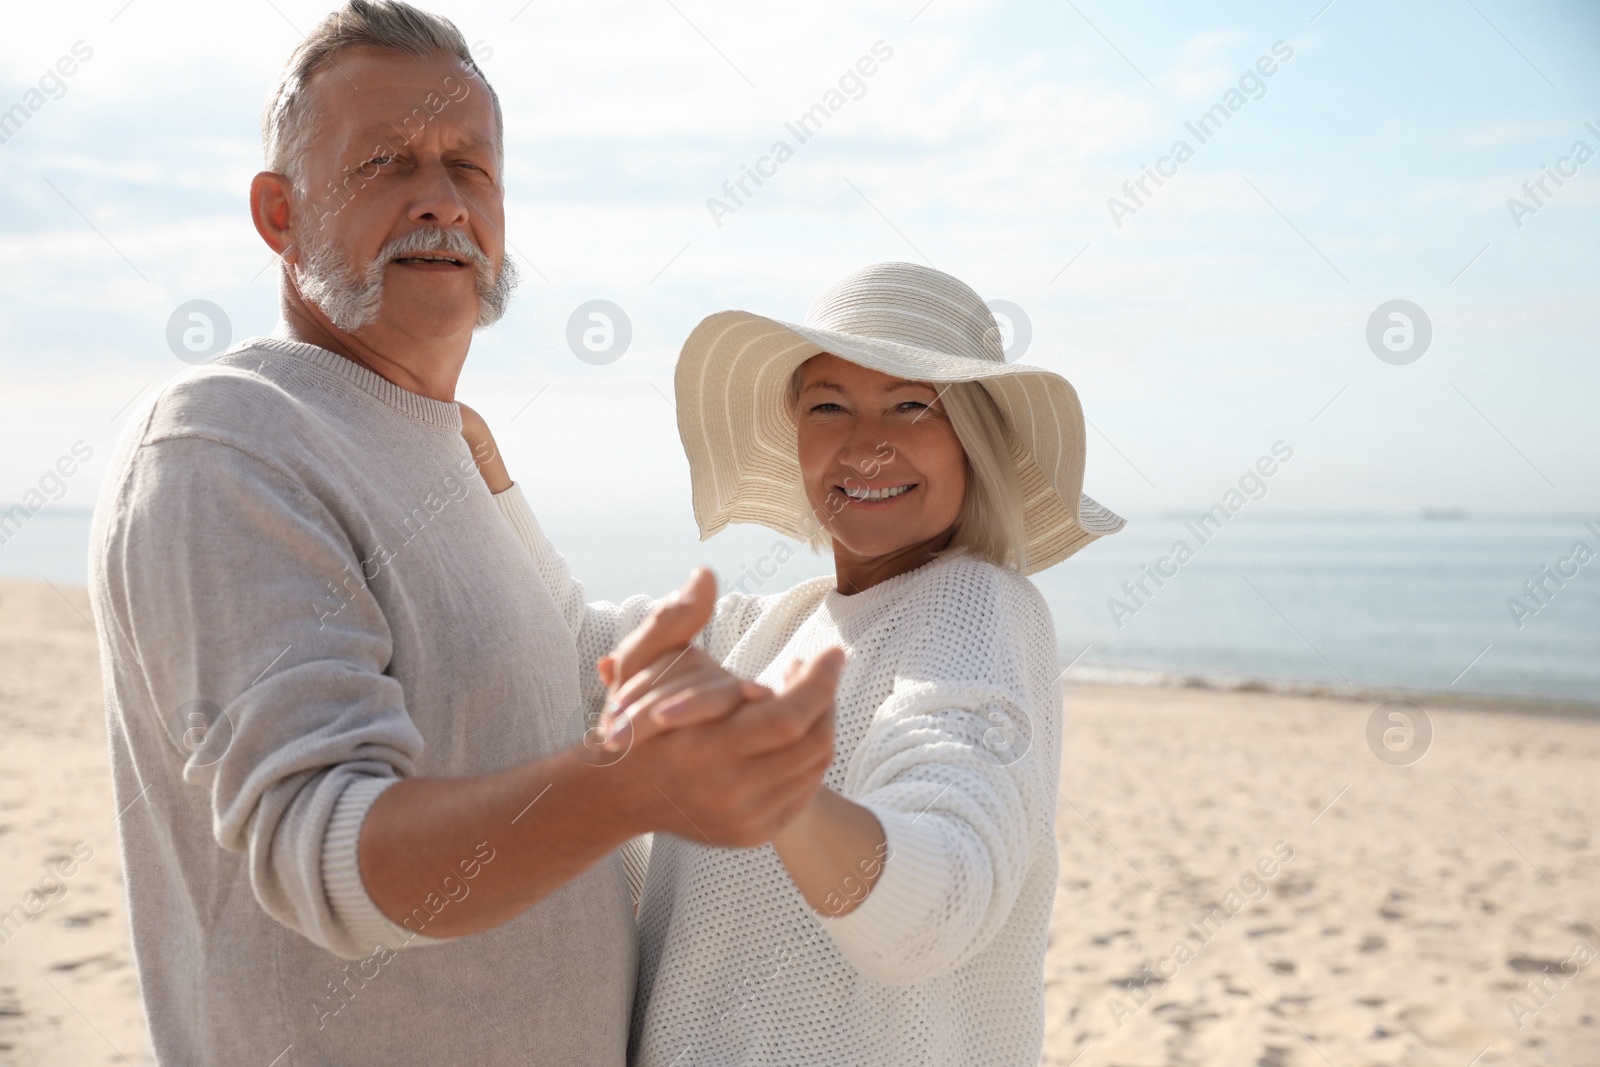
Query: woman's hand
x=681, y=685
x=491, y=465
x=683, y=688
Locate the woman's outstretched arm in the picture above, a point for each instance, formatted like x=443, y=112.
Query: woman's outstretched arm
x=597, y=627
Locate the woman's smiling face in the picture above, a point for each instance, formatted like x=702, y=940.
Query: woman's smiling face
x=883, y=469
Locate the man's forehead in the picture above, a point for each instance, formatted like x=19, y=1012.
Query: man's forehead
x=390, y=134
x=369, y=77
x=373, y=90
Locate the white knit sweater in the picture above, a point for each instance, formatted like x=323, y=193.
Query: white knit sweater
x=948, y=731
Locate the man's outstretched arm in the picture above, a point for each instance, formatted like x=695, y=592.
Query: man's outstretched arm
x=735, y=781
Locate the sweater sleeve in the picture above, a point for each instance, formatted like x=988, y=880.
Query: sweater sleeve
x=959, y=765
x=598, y=627
x=283, y=722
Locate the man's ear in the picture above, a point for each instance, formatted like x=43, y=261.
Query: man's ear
x=272, y=210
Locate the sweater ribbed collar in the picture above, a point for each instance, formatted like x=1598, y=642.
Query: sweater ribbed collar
x=846, y=606
x=413, y=405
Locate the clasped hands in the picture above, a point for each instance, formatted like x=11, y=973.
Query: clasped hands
x=735, y=760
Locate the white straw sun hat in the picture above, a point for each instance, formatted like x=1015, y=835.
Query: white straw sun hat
x=897, y=318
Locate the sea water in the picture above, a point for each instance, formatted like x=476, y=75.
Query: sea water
x=1470, y=605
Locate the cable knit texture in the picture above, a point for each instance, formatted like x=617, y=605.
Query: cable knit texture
x=948, y=731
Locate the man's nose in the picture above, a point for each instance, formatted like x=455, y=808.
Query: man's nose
x=436, y=199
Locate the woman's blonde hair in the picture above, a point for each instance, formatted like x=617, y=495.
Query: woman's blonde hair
x=990, y=524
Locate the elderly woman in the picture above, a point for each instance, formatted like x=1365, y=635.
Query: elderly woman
x=902, y=917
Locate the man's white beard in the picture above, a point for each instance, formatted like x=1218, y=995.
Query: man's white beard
x=352, y=301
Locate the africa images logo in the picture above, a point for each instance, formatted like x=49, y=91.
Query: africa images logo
x=51, y=85
x=802, y=129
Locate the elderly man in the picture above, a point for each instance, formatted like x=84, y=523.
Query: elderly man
x=344, y=714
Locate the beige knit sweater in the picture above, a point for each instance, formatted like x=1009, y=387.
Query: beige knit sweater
x=948, y=730
x=305, y=593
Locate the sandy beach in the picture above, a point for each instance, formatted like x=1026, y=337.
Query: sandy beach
x=1243, y=882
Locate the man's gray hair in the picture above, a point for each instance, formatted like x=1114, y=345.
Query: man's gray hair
x=288, y=122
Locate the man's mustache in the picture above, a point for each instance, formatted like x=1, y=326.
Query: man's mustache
x=351, y=296
x=435, y=239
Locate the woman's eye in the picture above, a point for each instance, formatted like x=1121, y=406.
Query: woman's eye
x=827, y=407
x=911, y=405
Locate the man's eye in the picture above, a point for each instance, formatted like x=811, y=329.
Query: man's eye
x=382, y=161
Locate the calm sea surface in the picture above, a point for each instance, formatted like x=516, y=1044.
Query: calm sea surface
x=1378, y=602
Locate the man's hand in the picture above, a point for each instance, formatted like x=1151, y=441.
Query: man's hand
x=739, y=780
x=736, y=778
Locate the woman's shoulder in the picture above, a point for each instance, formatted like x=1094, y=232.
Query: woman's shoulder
x=965, y=623
x=968, y=584
x=962, y=604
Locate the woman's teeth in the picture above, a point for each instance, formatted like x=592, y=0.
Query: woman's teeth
x=874, y=494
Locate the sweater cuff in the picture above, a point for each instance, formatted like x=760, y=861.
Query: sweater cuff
x=514, y=506
x=916, y=882
x=354, y=910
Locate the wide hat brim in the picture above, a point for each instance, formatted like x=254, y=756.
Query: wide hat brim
x=732, y=386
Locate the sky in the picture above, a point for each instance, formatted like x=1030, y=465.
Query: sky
x=1202, y=321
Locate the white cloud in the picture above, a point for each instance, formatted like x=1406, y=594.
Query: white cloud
x=1209, y=63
